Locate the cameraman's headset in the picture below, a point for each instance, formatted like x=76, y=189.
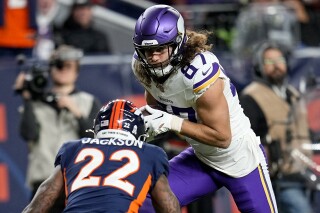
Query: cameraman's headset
x=65, y=53
x=257, y=60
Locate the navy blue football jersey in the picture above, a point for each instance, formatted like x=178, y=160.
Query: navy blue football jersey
x=109, y=175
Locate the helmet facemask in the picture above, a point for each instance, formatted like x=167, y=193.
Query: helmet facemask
x=161, y=69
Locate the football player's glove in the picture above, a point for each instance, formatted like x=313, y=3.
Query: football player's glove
x=159, y=121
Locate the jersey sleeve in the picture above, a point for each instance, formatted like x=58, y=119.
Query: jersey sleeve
x=59, y=155
x=67, y=149
x=204, y=71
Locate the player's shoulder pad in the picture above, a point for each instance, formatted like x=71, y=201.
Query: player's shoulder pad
x=71, y=144
x=203, y=70
x=157, y=151
x=66, y=148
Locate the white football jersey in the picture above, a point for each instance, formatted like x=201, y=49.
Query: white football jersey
x=181, y=91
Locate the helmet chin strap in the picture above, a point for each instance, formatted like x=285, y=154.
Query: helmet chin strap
x=160, y=79
x=164, y=72
x=160, y=72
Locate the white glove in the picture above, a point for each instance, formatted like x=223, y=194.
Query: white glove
x=159, y=122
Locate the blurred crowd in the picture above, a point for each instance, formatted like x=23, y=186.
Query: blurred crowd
x=236, y=25
x=36, y=28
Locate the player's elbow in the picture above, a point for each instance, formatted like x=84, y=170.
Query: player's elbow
x=224, y=142
x=225, y=138
x=217, y=139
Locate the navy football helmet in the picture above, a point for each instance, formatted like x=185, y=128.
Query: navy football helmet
x=160, y=26
x=120, y=115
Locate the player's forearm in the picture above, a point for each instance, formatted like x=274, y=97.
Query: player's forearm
x=163, y=199
x=205, y=134
x=169, y=204
x=41, y=202
x=47, y=193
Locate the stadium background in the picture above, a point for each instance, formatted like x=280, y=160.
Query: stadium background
x=109, y=77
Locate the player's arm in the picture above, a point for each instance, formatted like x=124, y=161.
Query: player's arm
x=47, y=193
x=163, y=199
x=212, y=109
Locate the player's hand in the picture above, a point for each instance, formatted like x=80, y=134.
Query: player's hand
x=159, y=121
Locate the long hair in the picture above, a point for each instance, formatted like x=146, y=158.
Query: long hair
x=196, y=43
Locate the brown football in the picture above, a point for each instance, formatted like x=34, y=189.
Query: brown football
x=145, y=112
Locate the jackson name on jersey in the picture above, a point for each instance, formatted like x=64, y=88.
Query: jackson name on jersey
x=113, y=141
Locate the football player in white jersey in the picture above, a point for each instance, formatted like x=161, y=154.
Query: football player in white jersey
x=181, y=75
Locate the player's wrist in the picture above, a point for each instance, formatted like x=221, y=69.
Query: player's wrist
x=176, y=123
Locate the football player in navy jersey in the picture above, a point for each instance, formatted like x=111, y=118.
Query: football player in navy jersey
x=112, y=172
x=182, y=76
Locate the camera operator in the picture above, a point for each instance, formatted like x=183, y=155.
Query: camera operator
x=278, y=117
x=60, y=114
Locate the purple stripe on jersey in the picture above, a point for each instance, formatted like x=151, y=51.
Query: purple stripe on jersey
x=203, y=59
x=215, y=69
x=233, y=89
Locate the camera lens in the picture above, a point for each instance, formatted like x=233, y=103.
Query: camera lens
x=38, y=83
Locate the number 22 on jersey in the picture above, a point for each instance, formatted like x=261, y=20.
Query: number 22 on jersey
x=115, y=179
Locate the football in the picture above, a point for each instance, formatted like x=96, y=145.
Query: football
x=145, y=112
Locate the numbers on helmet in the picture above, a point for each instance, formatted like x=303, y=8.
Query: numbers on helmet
x=115, y=179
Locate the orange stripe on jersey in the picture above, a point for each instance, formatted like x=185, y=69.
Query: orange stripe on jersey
x=135, y=204
x=4, y=183
x=65, y=184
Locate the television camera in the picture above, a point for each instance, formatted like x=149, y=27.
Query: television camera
x=36, y=78
x=37, y=75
